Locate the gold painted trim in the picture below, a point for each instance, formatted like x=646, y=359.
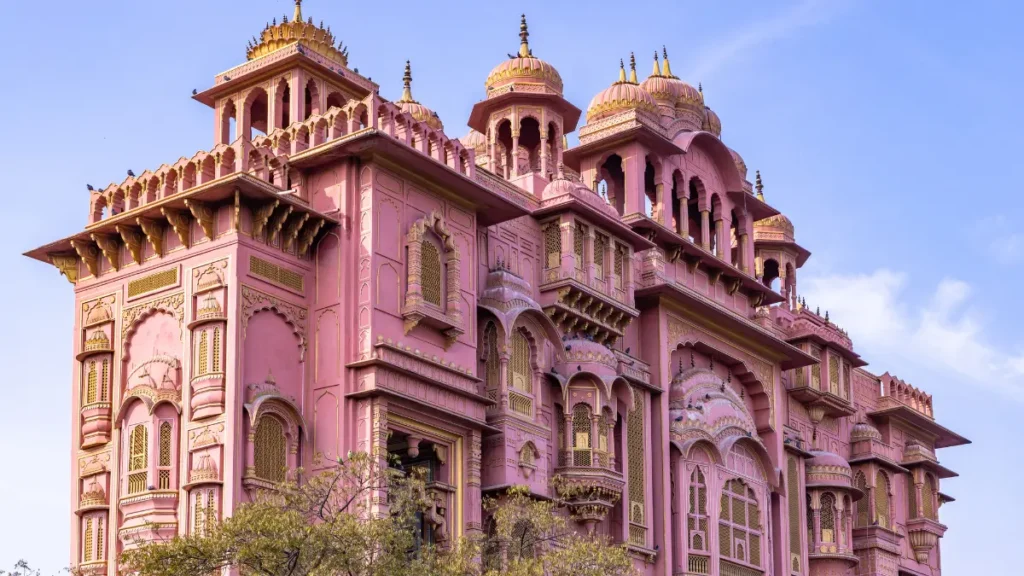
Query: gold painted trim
x=457, y=469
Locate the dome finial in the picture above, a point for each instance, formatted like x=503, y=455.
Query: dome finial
x=700, y=89
x=298, y=11
x=666, y=69
x=524, y=44
x=657, y=69
x=622, y=72
x=632, y=69
x=759, y=185
x=407, y=84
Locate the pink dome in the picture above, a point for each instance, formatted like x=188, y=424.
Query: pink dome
x=864, y=431
x=830, y=470
x=711, y=122
x=418, y=111
x=775, y=227
x=475, y=140
x=524, y=68
x=620, y=96
x=741, y=166
x=558, y=187
x=823, y=458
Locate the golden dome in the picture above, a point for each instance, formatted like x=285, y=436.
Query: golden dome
x=210, y=308
x=779, y=224
x=418, y=111
x=98, y=340
x=864, y=431
x=524, y=68
x=620, y=96
x=317, y=38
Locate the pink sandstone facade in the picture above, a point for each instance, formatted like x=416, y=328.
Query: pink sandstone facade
x=338, y=274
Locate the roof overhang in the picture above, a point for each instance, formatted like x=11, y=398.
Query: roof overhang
x=855, y=360
x=492, y=205
x=802, y=254
x=944, y=437
x=721, y=317
x=637, y=132
x=613, y=225
x=482, y=110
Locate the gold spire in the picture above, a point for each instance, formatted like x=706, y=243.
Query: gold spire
x=632, y=69
x=524, y=44
x=298, y=11
x=622, y=72
x=666, y=69
x=407, y=84
x=700, y=88
x=759, y=185
x=657, y=69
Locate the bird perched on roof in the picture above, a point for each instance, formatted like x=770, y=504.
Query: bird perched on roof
x=132, y=174
x=89, y=187
x=194, y=92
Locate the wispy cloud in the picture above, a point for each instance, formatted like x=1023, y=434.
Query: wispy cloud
x=753, y=34
x=941, y=333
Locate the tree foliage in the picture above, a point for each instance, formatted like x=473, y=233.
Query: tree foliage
x=357, y=519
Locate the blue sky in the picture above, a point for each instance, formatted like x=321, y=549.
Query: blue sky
x=888, y=131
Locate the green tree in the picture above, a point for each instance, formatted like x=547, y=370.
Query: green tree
x=357, y=519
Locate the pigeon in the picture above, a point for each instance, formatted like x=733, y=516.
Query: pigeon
x=579, y=367
x=194, y=92
x=627, y=349
x=89, y=187
x=132, y=174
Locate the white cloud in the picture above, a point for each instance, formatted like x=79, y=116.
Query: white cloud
x=806, y=13
x=941, y=333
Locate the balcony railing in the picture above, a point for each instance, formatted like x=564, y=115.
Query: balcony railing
x=637, y=535
x=698, y=564
x=586, y=458
x=137, y=482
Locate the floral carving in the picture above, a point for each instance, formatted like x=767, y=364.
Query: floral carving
x=254, y=301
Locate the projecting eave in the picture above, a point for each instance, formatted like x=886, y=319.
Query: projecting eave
x=938, y=469
x=493, y=199
x=287, y=57
x=852, y=357
x=217, y=192
x=612, y=225
x=638, y=132
x=759, y=209
x=482, y=110
x=944, y=437
x=802, y=254
x=790, y=356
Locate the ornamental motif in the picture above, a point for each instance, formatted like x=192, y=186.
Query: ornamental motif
x=173, y=304
x=254, y=301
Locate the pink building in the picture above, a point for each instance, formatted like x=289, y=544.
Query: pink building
x=336, y=273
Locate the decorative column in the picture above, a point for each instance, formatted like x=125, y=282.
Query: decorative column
x=514, y=169
x=684, y=209
x=705, y=229
x=544, y=153
x=588, y=254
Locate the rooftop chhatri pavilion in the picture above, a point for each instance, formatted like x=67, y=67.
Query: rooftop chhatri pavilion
x=337, y=273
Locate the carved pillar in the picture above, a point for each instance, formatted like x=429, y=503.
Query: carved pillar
x=544, y=153
x=588, y=253
x=514, y=169
x=705, y=229
x=566, y=226
x=684, y=209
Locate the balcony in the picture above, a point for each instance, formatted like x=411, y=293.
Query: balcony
x=591, y=485
x=910, y=405
x=924, y=534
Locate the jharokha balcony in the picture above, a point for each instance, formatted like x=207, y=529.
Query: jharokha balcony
x=908, y=404
x=592, y=483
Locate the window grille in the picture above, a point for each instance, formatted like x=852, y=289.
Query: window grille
x=105, y=381
x=492, y=365
x=635, y=453
x=833, y=374
x=846, y=380
x=793, y=494
x=827, y=518
x=864, y=504
x=882, y=499
x=99, y=539
x=520, y=404
x=204, y=353
x=553, y=245
x=90, y=386
x=198, y=515
x=211, y=509
x=520, y=374
x=619, y=258
x=816, y=368
x=599, y=247
x=138, y=458
x=577, y=245
x=164, y=479
x=912, y=498
x=431, y=276
x=581, y=435
x=928, y=498
x=216, y=351
x=87, y=542
x=560, y=419
x=697, y=523
x=739, y=528
x=269, y=452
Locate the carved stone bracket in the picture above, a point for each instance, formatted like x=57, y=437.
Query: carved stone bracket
x=260, y=217
x=204, y=214
x=291, y=230
x=154, y=232
x=308, y=233
x=133, y=240
x=180, y=222
x=67, y=264
x=89, y=254
x=277, y=222
x=110, y=248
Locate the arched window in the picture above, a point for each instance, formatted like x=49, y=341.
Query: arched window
x=492, y=365
x=87, y=543
x=104, y=381
x=579, y=232
x=697, y=517
x=864, y=504
x=636, y=463
x=91, y=383
x=138, y=458
x=522, y=545
x=270, y=451
x=198, y=515
x=600, y=241
x=553, y=245
x=620, y=256
x=520, y=376
x=793, y=495
x=431, y=277
x=816, y=368
x=739, y=527
x=605, y=450
x=827, y=518
x=882, y=500
x=581, y=435
x=204, y=353
x=833, y=374
x=164, y=466
x=216, y=350
x=928, y=498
